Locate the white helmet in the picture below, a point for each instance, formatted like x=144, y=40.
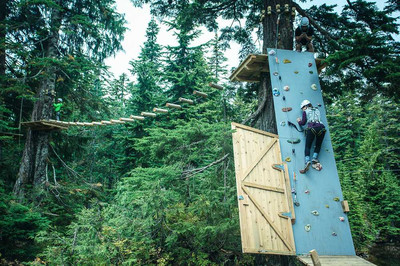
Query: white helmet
x=59, y=99
x=304, y=103
x=304, y=22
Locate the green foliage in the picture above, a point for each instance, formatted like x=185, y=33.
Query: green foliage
x=366, y=148
x=18, y=226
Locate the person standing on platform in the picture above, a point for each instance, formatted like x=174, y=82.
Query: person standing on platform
x=303, y=35
x=57, y=108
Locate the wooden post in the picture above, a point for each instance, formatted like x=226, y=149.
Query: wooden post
x=216, y=86
x=199, y=93
x=185, y=100
x=345, y=206
x=106, y=122
x=159, y=110
x=171, y=105
x=137, y=117
x=315, y=258
x=148, y=114
x=127, y=119
x=117, y=121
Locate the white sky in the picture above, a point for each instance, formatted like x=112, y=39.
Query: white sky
x=138, y=20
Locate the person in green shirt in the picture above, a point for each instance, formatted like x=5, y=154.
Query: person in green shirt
x=57, y=108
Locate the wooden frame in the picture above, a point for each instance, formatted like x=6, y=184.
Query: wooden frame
x=264, y=196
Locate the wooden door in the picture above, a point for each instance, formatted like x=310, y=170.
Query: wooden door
x=264, y=195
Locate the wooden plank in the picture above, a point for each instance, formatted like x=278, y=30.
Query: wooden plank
x=274, y=189
x=345, y=206
x=104, y=122
x=136, y=117
x=172, y=105
x=315, y=258
x=215, y=86
x=243, y=64
x=127, y=119
x=255, y=130
x=148, y=114
x=336, y=260
x=201, y=94
x=159, y=110
x=256, y=161
x=238, y=170
x=270, y=221
x=116, y=121
x=184, y=100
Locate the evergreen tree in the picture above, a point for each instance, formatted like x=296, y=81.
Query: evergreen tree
x=55, y=25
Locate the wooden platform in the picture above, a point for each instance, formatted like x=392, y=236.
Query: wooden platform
x=255, y=64
x=46, y=125
x=335, y=261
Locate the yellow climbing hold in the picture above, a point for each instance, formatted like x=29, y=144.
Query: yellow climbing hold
x=296, y=72
x=288, y=159
x=336, y=199
x=287, y=61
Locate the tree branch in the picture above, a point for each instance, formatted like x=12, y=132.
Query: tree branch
x=189, y=173
x=257, y=113
x=314, y=23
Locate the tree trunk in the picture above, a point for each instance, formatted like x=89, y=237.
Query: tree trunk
x=3, y=30
x=284, y=40
x=32, y=171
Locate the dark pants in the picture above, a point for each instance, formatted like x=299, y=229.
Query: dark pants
x=318, y=133
x=58, y=116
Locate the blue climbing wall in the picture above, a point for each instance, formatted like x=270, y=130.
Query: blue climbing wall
x=328, y=232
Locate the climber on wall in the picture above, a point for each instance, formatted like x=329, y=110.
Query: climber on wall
x=315, y=130
x=57, y=108
x=303, y=35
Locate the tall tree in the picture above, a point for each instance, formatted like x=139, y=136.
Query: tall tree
x=69, y=27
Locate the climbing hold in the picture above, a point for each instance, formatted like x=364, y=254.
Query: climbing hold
x=309, y=64
x=283, y=123
x=286, y=109
x=327, y=206
x=301, y=92
x=272, y=52
x=336, y=199
x=287, y=61
x=307, y=191
x=276, y=73
x=311, y=72
x=284, y=98
x=296, y=72
x=241, y=197
x=314, y=87
x=280, y=78
x=287, y=159
x=341, y=219
x=276, y=60
x=293, y=151
x=297, y=203
x=286, y=88
x=319, y=105
x=294, y=190
x=293, y=141
x=334, y=234
x=307, y=227
x=275, y=92
x=316, y=213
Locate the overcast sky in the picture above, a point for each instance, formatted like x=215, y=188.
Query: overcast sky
x=137, y=22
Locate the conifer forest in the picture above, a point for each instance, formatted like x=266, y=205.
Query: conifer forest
x=159, y=187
